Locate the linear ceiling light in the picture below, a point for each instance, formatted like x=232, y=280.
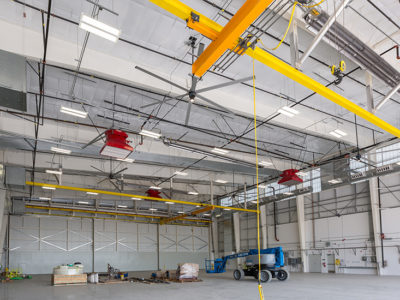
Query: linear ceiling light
x=206, y=215
x=193, y=193
x=220, y=151
x=335, y=181
x=98, y=28
x=221, y=181
x=137, y=199
x=151, y=134
x=44, y=198
x=180, y=173
x=288, y=111
x=73, y=112
x=288, y=193
x=92, y=193
x=265, y=163
x=123, y=206
x=218, y=215
x=181, y=212
x=55, y=172
x=60, y=150
x=153, y=209
x=155, y=188
x=83, y=202
x=338, y=133
x=171, y=203
x=262, y=186
x=128, y=160
x=48, y=188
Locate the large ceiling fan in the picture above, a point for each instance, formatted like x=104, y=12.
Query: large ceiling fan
x=192, y=93
x=110, y=176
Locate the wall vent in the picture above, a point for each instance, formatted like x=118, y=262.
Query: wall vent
x=384, y=169
x=358, y=175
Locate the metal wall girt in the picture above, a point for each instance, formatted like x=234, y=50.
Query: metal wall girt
x=72, y=188
x=244, y=17
x=183, y=11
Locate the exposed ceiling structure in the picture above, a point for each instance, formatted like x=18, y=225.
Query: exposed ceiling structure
x=91, y=74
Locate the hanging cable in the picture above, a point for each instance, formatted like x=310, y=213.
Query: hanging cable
x=258, y=195
x=290, y=23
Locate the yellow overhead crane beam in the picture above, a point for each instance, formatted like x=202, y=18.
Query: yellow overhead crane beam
x=211, y=30
x=244, y=17
x=73, y=188
x=183, y=216
x=88, y=211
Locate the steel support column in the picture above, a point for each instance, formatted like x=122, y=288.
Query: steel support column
x=236, y=234
x=302, y=231
x=263, y=224
x=214, y=227
x=374, y=190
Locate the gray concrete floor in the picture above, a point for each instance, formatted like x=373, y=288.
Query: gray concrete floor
x=214, y=286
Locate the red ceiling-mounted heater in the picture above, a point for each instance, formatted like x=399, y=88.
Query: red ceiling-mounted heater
x=153, y=193
x=116, y=144
x=289, y=177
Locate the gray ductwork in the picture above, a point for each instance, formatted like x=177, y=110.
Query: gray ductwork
x=354, y=48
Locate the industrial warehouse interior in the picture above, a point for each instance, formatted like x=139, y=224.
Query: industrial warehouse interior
x=199, y=149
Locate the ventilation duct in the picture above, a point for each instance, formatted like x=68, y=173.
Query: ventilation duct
x=354, y=48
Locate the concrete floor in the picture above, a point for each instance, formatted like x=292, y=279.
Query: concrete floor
x=221, y=286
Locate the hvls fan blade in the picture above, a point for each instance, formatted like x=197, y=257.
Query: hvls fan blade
x=160, y=78
x=116, y=173
x=218, y=86
x=215, y=104
x=188, y=112
x=98, y=170
x=119, y=190
x=101, y=181
x=165, y=100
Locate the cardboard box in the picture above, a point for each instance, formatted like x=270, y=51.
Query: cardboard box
x=69, y=279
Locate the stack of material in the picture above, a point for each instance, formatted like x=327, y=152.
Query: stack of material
x=69, y=274
x=188, y=271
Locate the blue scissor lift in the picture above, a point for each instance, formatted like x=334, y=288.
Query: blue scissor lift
x=268, y=270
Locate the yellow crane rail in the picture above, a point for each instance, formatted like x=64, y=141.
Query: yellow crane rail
x=211, y=30
x=73, y=188
x=183, y=216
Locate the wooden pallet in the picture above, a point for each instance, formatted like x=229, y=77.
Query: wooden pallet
x=187, y=280
x=58, y=280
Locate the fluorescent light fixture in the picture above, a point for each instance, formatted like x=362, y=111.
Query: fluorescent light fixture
x=92, y=193
x=265, y=163
x=123, y=206
x=255, y=202
x=98, y=28
x=218, y=216
x=342, y=133
x=44, y=198
x=83, y=202
x=227, y=209
x=206, y=215
x=155, y=188
x=73, y=112
x=262, y=186
x=335, y=181
x=193, y=193
x=137, y=199
x=128, y=160
x=180, y=173
x=220, y=151
x=221, y=181
x=153, y=209
x=288, y=111
x=181, y=212
x=338, y=133
x=197, y=205
x=55, y=172
x=171, y=203
x=151, y=134
x=288, y=193
x=60, y=150
x=48, y=188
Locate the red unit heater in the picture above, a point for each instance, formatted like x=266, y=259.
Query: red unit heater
x=289, y=177
x=153, y=193
x=116, y=144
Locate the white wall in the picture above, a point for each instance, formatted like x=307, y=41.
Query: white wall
x=39, y=243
